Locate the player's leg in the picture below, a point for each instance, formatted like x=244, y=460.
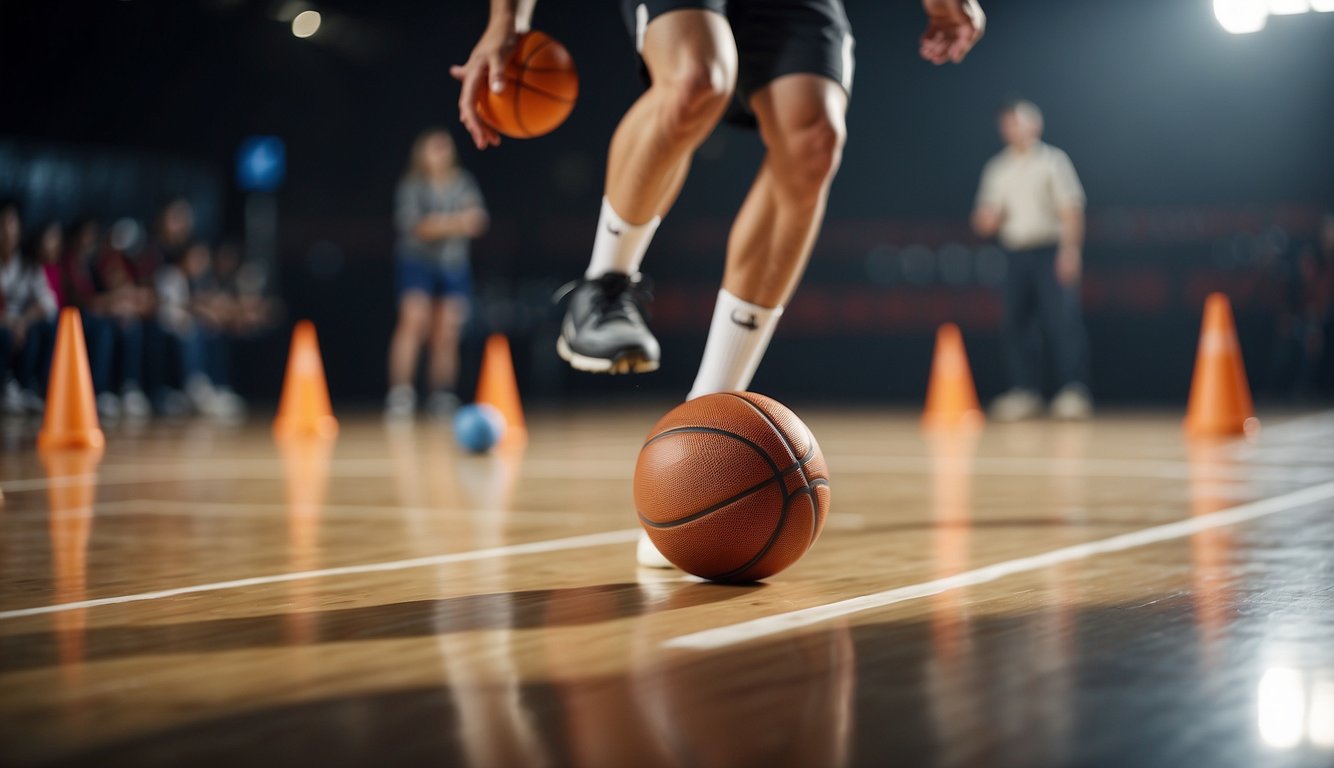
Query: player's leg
x=801, y=122
x=448, y=315
x=414, y=318
x=1020, y=340
x=691, y=60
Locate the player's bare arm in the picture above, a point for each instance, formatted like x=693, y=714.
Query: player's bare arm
x=487, y=64
x=953, y=27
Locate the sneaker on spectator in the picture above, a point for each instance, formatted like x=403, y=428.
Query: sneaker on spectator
x=1072, y=403
x=201, y=393
x=134, y=403
x=13, y=399
x=227, y=404
x=400, y=403
x=108, y=405
x=1016, y=405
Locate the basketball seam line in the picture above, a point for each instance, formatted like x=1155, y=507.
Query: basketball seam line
x=791, y=449
x=706, y=512
x=779, y=475
x=542, y=91
x=523, y=68
x=773, y=465
x=782, y=486
x=784, y=471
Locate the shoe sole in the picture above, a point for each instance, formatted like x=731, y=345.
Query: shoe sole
x=631, y=361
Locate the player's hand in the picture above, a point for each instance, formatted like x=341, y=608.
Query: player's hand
x=953, y=27
x=1069, y=265
x=484, y=68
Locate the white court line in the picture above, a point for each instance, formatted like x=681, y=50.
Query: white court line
x=250, y=509
x=205, y=469
x=1002, y=466
x=746, y=631
x=512, y=550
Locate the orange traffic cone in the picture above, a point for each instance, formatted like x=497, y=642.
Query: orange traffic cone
x=304, y=410
x=951, y=398
x=1220, y=398
x=496, y=386
x=71, y=411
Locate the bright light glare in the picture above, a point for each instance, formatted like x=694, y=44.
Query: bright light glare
x=1281, y=702
x=306, y=23
x=1323, y=6
x=1241, y=16
x=1320, y=720
x=1287, y=7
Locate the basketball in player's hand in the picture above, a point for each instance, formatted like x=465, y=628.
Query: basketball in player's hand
x=541, y=86
x=732, y=487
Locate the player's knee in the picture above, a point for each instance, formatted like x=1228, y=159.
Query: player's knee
x=697, y=94
x=817, y=149
x=811, y=155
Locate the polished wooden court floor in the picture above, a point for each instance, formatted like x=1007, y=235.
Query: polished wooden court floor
x=1025, y=595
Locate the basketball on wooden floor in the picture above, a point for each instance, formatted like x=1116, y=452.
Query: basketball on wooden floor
x=541, y=86
x=732, y=487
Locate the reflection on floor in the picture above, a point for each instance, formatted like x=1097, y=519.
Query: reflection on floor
x=203, y=596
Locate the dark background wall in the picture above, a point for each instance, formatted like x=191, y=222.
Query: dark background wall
x=1208, y=159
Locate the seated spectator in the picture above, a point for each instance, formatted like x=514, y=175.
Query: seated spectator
x=171, y=236
x=128, y=308
x=251, y=311
x=192, y=314
x=29, y=309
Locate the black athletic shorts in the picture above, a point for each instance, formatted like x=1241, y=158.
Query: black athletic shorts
x=773, y=38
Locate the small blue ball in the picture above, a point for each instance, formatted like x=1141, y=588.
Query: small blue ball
x=478, y=427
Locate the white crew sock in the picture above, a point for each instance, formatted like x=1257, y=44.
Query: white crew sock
x=619, y=246
x=738, y=336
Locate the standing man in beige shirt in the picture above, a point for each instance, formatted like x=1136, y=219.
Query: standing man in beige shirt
x=1031, y=198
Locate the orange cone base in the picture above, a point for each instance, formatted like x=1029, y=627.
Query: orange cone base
x=81, y=439
x=322, y=428
x=1248, y=427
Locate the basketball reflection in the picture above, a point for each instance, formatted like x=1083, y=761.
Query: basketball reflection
x=788, y=702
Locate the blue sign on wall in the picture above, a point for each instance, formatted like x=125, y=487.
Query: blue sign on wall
x=261, y=164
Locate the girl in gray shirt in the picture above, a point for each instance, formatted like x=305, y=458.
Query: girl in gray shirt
x=438, y=210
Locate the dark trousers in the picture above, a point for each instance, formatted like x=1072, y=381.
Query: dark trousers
x=177, y=357
x=98, y=337
x=33, y=369
x=34, y=361
x=127, y=360
x=1042, y=315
